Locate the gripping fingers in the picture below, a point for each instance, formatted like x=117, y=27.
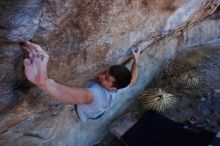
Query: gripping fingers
x=32, y=56
x=43, y=56
x=23, y=46
x=31, y=51
x=135, y=50
x=35, y=47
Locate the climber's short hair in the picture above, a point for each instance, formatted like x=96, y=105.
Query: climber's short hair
x=122, y=75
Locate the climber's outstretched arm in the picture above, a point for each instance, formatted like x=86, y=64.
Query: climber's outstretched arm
x=134, y=68
x=36, y=72
x=66, y=94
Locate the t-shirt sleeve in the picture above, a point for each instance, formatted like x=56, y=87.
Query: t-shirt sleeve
x=96, y=93
x=124, y=90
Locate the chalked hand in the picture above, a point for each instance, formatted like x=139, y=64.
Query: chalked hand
x=36, y=64
x=135, y=53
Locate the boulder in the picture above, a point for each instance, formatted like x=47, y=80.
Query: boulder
x=83, y=38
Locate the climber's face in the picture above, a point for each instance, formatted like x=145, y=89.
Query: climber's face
x=106, y=80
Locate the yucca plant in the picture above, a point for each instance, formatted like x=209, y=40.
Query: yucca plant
x=189, y=80
x=157, y=100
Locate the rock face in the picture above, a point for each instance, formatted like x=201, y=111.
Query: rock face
x=19, y=19
x=83, y=38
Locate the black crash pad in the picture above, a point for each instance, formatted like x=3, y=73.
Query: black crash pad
x=153, y=129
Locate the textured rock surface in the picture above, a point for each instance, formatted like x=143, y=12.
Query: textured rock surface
x=19, y=19
x=83, y=38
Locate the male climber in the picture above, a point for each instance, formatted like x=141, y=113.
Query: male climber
x=92, y=101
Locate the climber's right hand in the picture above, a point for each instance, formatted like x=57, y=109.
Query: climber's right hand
x=36, y=64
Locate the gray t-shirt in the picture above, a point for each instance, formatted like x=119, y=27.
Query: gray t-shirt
x=103, y=99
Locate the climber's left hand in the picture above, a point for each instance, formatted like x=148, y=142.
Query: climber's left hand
x=136, y=53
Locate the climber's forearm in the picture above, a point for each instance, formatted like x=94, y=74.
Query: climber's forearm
x=134, y=72
x=65, y=94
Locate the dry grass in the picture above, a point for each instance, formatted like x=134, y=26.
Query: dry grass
x=189, y=80
x=157, y=100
